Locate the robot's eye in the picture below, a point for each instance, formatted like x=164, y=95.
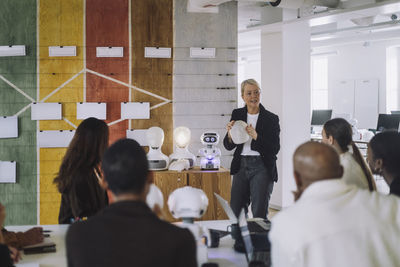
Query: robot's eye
x=212, y=139
x=207, y=139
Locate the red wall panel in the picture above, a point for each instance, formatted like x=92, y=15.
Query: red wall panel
x=107, y=24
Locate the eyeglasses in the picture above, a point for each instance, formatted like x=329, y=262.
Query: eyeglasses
x=255, y=93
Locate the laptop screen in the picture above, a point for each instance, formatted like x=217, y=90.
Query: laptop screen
x=245, y=235
x=228, y=210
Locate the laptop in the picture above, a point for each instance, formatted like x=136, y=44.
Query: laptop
x=255, y=255
x=255, y=225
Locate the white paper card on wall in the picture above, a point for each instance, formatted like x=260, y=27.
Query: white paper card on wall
x=109, y=51
x=87, y=110
x=62, y=51
x=12, y=50
x=46, y=111
x=157, y=52
x=9, y=127
x=135, y=110
x=60, y=138
x=202, y=52
x=138, y=135
x=8, y=172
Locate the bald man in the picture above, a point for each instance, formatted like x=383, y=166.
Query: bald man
x=333, y=224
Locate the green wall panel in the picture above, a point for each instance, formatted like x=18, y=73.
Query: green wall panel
x=18, y=27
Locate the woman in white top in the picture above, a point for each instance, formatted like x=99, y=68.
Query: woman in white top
x=338, y=133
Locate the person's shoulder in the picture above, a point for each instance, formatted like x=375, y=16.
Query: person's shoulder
x=82, y=228
x=284, y=224
x=174, y=230
x=76, y=228
x=238, y=110
x=170, y=227
x=268, y=115
x=385, y=204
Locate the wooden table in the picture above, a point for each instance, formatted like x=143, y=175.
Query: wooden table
x=218, y=181
x=224, y=255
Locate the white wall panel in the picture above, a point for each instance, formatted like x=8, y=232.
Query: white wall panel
x=204, y=108
x=196, y=80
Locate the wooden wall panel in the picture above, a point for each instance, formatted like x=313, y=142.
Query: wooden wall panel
x=60, y=23
x=212, y=182
x=152, y=25
x=107, y=25
x=18, y=27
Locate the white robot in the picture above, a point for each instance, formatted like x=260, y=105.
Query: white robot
x=210, y=155
x=189, y=203
x=157, y=160
x=181, y=139
x=155, y=197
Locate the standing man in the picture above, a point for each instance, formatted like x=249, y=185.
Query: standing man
x=127, y=232
x=331, y=223
x=254, y=163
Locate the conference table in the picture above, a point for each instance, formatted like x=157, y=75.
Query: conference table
x=224, y=255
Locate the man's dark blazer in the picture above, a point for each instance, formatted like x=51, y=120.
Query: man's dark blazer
x=267, y=143
x=395, y=187
x=5, y=259
x=128, y=233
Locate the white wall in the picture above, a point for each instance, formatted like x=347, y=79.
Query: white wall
x=272, y=79
x=285, y=68
x=356, y=61
x=249, y=63
x=250, y=68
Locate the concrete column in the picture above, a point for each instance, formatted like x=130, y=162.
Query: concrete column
x=285, y=78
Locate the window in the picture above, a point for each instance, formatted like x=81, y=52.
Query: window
x=319, y=83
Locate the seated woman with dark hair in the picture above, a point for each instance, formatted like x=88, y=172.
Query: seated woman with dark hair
x=79, y=179
x=338, y=133
x=384, y=158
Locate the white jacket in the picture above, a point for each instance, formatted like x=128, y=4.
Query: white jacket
x=336, y=225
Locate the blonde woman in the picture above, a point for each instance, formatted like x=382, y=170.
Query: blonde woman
x=254, y=163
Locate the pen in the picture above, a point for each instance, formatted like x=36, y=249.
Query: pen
x=46, y=231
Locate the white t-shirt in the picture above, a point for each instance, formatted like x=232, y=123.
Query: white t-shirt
x=251, y=119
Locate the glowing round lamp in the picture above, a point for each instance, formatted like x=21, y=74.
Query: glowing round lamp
x=181, y=139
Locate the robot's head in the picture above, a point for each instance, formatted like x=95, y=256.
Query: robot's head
x=209, y=138
x=155, y=137
x=187, y=202
x=154, y=197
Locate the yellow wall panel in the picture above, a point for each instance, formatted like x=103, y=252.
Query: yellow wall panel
x=60, y=23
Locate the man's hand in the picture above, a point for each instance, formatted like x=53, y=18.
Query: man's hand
x=252, y=132
x=33, y=236
x=15, y=255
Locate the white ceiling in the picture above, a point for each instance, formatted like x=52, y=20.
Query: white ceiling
x=383, y=25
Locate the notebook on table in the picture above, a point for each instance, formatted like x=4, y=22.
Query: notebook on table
x=44, y=247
